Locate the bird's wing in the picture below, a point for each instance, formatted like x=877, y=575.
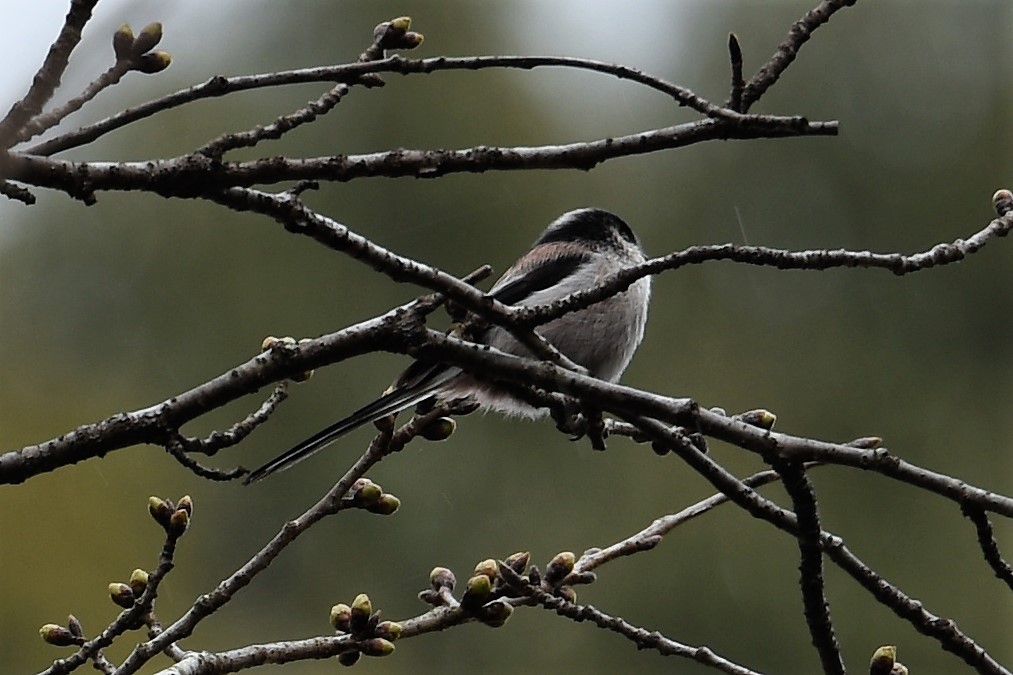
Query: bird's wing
x=519, y=283
x=419, y=383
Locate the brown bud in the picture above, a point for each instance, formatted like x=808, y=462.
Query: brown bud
x=178, y=522
x=441, y=577
x=74, y=626
x=496, y=613
x=883, y=660
x=349, y=658
x=518, y=562
x=185, y=503
x=362, y=607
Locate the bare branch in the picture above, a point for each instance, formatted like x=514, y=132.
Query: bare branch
x=945, y=631
x=989, y=546
x=814, y=599
x=798, y=35
x=47, y=79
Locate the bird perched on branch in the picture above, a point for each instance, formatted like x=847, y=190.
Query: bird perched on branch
x=576, y=252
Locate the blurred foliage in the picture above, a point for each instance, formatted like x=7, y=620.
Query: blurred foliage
x=126, y=303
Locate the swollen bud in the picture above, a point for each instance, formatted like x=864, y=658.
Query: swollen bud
x=58, y=636
x=489, y=568
x=341, y=617
x=1002, y=202
x=388, y=630
x=362, y=607
x=440, y=429
x=377, y=647
x=153, y=62
x=477, y=591
x=386, y=505
x=441, y=577
x=185, y=503
x=138, y=582
x=496, y=613
x=349, y=658
x=121, y=594
x=161, y=510
x=149, y=36
x=123, y=42
x=883, y=660
x=518, y=562
x=74, y=625
x=178, y=522
x=559, y=567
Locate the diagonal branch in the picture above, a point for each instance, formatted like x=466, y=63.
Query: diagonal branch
x=47, y=79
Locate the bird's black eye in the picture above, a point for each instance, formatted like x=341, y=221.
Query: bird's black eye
x=592, y=225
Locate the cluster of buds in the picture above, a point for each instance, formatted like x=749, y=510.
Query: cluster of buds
x=174, y=518
x=271, y=342
x=884, y=662
x=369, y=496
x=394, y=34
x=373, y=637
x=488, y=590
x=124, y=594
x=71, y=635
x=135, y=51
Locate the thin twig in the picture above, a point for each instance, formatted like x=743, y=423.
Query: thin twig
x=786, y=52
x=989, y=546
x=641, y=637
x=47, y=79
x=735, y=56
x=352, y=73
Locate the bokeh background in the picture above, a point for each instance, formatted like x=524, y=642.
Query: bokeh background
x=126, y=303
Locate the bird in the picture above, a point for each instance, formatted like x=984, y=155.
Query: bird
x=577, y=251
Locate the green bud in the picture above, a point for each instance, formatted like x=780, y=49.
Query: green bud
x=121, y=594
x=440, y=429
x=368, y=494
x=153, y=62
x=441, y=577
x=58, y=636
x=149, y=36
x=386, y=505
x=341, y=617
x=477, y=591
x=883, y=660
x=388, y=630
x=761, y=418
x=377, y=647
x=362, y=607
x=349, y=658
x=138, y=582
x=123, y=42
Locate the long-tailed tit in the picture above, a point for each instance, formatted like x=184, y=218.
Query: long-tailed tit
x=578, y=251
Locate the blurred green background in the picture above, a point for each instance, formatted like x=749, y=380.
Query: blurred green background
x=131, y=301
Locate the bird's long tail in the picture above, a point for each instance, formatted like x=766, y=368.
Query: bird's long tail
x=390, y=403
